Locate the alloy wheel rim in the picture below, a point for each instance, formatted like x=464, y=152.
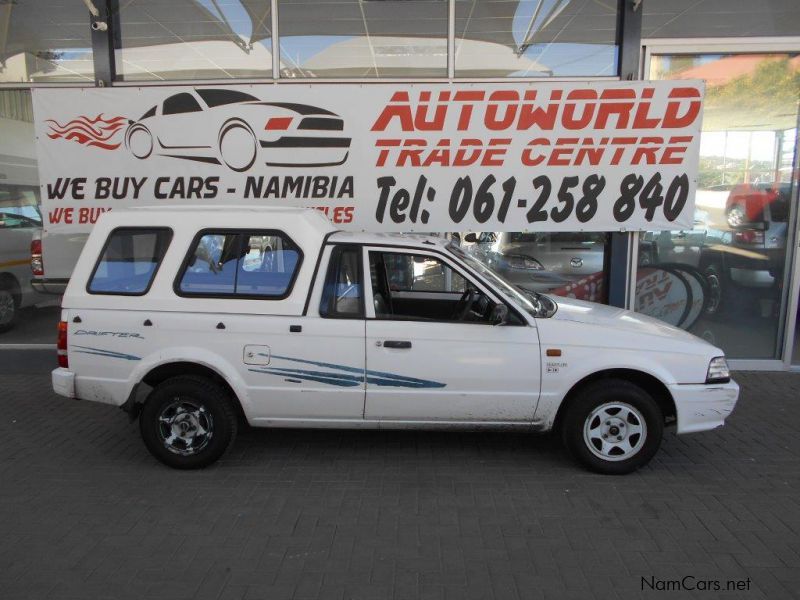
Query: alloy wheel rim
x=185, y=427
x=715, y=294
x=615, y=431
x=6, y=307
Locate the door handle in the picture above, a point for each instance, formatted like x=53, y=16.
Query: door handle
x=396, y=344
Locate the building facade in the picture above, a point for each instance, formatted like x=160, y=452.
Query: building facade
x=732, y=278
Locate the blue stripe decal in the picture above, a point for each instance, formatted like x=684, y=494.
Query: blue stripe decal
x=106, y=353
x=379, y=378
x=322, y=377
x=375, y=377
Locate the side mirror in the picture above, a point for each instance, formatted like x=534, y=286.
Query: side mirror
x=499, y=315
x=471, y=238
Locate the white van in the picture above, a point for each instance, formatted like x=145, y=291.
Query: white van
x=191, y=318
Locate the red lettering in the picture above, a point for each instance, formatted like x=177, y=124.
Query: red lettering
x=535, y=116
x=645, y=152
x=495, y=123
x=528, y=159
x=672, y=119
x=383, y=154
x=465, y=115
x=569, y=119
x=622, y=110
x=402, y=112
x=555, y=159
x=466, y=156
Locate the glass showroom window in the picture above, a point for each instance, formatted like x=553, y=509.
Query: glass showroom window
x=352, y=38
x=45, y=41
x=564, y=264
x=724, y=278
x=187, y=39
x=25, y=316
x=535, y=38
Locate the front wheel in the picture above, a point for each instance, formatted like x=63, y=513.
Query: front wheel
x=188, y=422
x=613, y=427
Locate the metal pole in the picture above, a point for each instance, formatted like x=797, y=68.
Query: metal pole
x=276, y=44
x=621, y=264
x=104, y=28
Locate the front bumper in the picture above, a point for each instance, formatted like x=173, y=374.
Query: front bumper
x=63, y=382
x=701, y=407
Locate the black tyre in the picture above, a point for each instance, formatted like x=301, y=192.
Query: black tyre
x=613, y=427
x=188, y=422
x=715, y=282
x=9, y=307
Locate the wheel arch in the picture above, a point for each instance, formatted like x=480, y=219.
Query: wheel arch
x=646, y=381
x=157, y=374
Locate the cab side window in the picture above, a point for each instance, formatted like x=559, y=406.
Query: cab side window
x=240, y=264
x=419, y=273
x=342, y=294
x=129, y=261
x=423, y=287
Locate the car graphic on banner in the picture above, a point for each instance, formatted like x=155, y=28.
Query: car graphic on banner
x=220, y=126
x=231, y=127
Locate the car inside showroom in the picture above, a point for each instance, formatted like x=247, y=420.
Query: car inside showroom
x=287, y=287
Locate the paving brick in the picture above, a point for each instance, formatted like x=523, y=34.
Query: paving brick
x=86, y=513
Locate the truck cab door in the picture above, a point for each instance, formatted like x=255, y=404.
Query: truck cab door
x=431, y=357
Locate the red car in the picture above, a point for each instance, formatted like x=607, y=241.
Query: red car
x=747, y=201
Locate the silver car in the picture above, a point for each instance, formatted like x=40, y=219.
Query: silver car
x=17, y=228
x=541, y=261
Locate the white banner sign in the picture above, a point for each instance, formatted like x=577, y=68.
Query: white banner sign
x=579, y=156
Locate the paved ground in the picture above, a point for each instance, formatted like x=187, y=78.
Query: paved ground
x=36, y=325
x=86, y=513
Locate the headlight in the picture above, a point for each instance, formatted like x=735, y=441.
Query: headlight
x=718, y=371
x=524, y=262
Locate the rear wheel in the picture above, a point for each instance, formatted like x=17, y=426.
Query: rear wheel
x=613, y=427
x=9, y=308
x=188, y=422
x=714, y=282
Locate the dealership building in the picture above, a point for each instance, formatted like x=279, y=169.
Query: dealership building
x=729, y=275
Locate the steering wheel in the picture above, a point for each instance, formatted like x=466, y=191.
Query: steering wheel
x=464, y=304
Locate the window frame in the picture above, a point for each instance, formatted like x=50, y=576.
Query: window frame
x=468, y=276
x=239, y=232
x=328, y=312
x=170, y=234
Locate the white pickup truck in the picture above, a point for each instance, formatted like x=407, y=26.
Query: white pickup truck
x=192, y=318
